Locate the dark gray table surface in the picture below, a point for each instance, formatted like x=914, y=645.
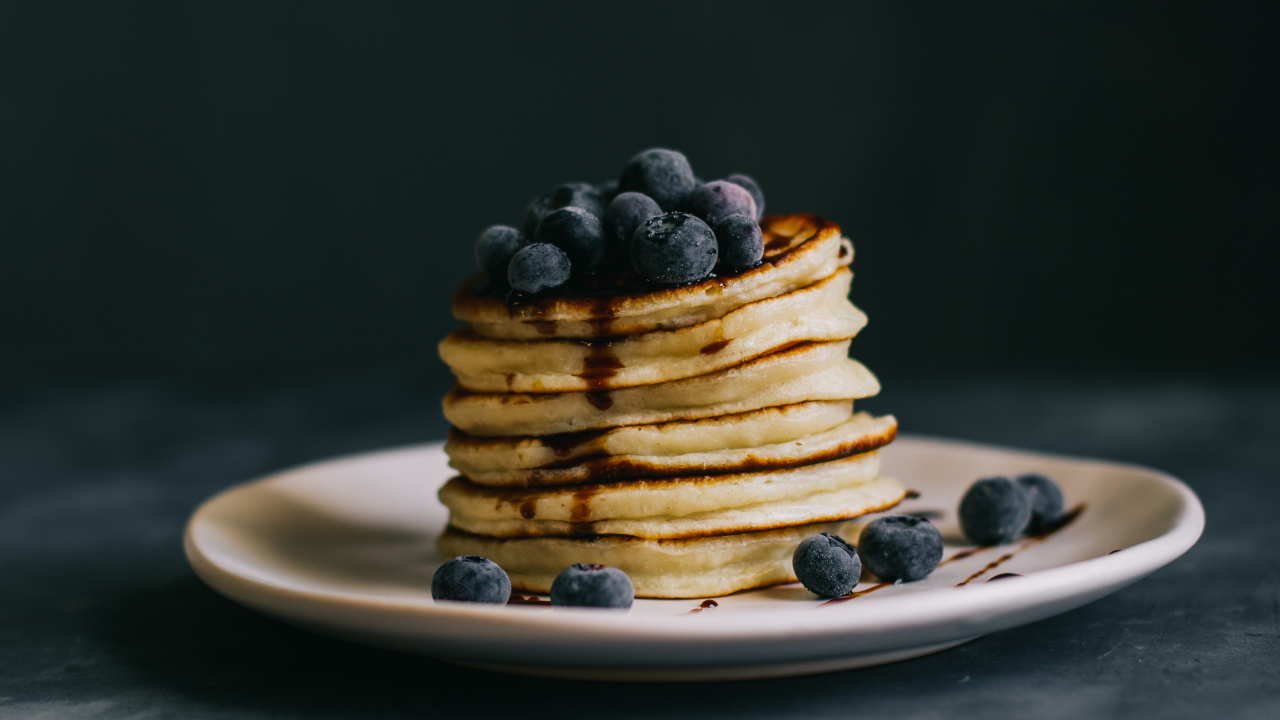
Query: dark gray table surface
x=100, y=616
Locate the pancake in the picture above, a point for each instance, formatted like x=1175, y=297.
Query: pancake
x=692, y=568
x=816, y=371
x=676, y=507
x=469, y=453
x=840, y=504
x=799, y=251
x=523, y=462
x=818, y=313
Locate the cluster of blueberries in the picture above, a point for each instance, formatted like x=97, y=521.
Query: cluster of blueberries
x=993, y=511
x=471, y=578
x=672, y=227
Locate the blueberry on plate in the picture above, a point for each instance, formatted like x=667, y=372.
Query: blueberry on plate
x=494, y=249
x=994, y=511
x=674, y=249
x=750, y=186
x=826, y=565
x=740, y=241
x=579, y=195
x=663, y=175
x=900, y=547
x=575, y=231
x=537, y=267
x=1047, y=503
x=582, y=585
x=625, y=213
x=718, y=200
x=471, y=578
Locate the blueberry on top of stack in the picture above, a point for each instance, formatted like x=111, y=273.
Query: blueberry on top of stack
x=656, y=220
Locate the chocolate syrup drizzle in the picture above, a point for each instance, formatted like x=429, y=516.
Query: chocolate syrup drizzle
x=603, y=289
x=860, y=593
x=615, y=278
x=1067, y=519
x=564, y=444
x=600, y=365
x=776, y=244
x=995, y=564
x=599, y=400
x=706, y=605
x=965, y=553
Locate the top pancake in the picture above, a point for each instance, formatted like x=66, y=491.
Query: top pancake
x=819, y=313
x=799, y=251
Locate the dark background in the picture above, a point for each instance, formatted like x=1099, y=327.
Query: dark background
x=229, y=233
x=280, y=190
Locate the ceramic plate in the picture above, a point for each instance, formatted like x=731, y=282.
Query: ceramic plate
x=347, y=548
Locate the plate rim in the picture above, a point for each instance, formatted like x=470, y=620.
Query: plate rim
x=1107, y=574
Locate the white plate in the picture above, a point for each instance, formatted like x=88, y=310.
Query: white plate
x=347, y=548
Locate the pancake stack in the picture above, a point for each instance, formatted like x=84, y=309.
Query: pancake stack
x=691, y=436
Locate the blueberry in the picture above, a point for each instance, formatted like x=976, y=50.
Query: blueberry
x=663, y=175
x=592, y=586
x=827, y=565
x=900, y=547
x=718, y=200
x=994, y=511
x=675, y=249
x=1047, y=503
x=494, y=249
x=471, y=578
x=625, y=214
x=579, y=195
x=575, y=231
x=539, y=266
x=750, y=186
x=741, y=242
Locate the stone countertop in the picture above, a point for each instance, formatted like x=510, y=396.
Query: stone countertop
x=100, y=616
